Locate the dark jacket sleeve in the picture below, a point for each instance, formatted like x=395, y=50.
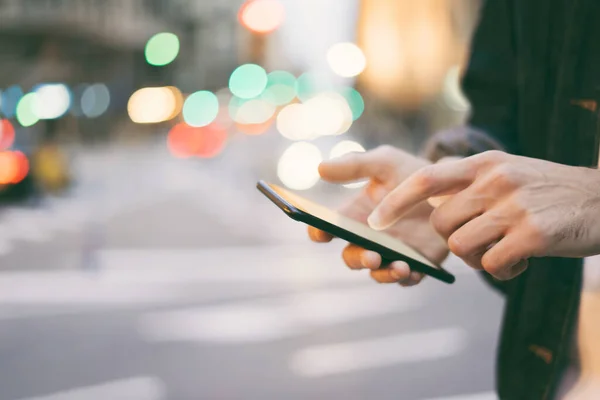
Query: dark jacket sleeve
x=490, y=84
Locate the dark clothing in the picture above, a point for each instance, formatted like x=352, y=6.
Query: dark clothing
x=532, y=81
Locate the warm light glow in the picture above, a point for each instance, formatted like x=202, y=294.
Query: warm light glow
x=7, y=134
x=51, y=101
x=344, y=147
x=409, y=46
x=14, y=167
x=22, y=166
x=262, y=16
x=329, y=114
x=254, y=129
x=95, y=100
x=162, y=49
x=185, y=141
x=255, y=111
x=25, y=110
x=248, y=81
x=152, y=105
x=298, y=166
x=294, y=123
x=178, y=96
x=325, y=114
x=453, y=95
x=346, y=59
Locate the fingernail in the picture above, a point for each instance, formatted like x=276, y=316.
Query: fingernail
x=400, y=271
x=374, y=221
x=369, y=259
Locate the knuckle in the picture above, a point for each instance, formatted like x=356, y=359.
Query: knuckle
x=493, y=156
x=424, y=178
x=458, y=247
x=439, y=222
x=505, y=174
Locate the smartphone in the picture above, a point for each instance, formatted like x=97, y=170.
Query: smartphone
x=390, y=248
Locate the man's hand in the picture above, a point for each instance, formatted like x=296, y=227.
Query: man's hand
x=385, y=167
x=504, y=209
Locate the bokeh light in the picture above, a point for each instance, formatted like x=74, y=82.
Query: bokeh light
x=248, y=81
x=10, y=99
x=344, y=147
x=51, y=101
x=255, y=111
x=200, y=108
x=281, y=88
x=151, y=105
x=14, y=167
x=346, y=59
x=254, y=129
x=298, y=166
x=355, y=101
x=7, y=134
x=329, y=114
x=185, y=141
x=262, y=16
x=25, y=110
x=294, y=122
x=22, y=166
x=162, y=49
x=310, y=84
x=95, y=100
x=452, y=94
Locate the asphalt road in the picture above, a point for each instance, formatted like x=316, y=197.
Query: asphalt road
x=158, y=278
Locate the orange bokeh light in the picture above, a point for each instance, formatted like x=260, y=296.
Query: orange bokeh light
x=185, y=141
x=14, y=167
x=254, y=129
x=7, y=134
x=262, y=16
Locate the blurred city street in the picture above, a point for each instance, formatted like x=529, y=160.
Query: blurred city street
x=137, y=259
x=157, y=278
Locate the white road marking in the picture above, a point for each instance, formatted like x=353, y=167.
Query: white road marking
x=276, y=318
x=477, y=396
x=338, y=358
x=139, y=388
x=154, y=276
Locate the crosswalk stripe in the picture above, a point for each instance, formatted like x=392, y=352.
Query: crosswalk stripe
x=138, y=388
x=338, y=358
x=276, y=318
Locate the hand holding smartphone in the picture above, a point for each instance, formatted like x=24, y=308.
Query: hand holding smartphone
x=390, y=248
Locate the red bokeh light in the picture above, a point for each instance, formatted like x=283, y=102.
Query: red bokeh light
x=23, y=166
x=262, y=16
x=14, y=167
x=7, y=134
x=186, y=141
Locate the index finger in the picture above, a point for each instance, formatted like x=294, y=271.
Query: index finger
x=431, y=181
x=352, y=167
